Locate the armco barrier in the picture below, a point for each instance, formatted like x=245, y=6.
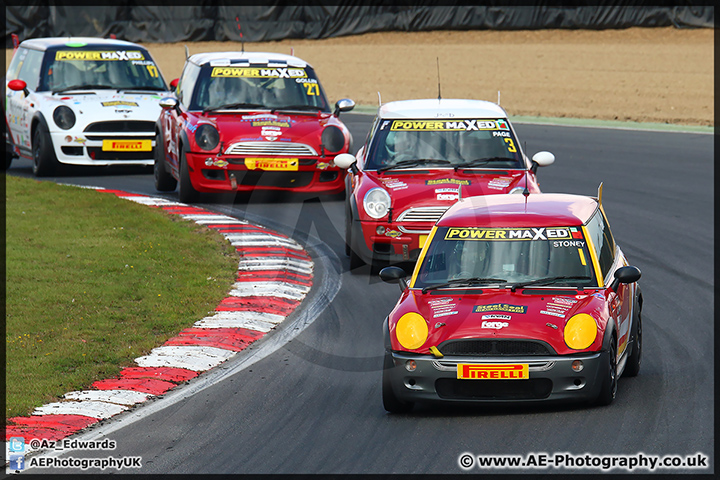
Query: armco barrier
x=136, y=22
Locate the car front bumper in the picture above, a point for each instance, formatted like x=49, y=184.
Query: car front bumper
x=551, y=379
x=80, y=148
x=395, y=245
x=210, y=173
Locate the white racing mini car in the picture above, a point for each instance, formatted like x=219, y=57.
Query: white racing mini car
x=81, y=101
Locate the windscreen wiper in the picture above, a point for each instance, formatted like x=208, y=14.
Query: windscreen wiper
x=458, y=282
x=413, y=163
x=547, y=281
x=140, y=89
x=298, y=107
x=82, y=87
x=482, y=161
x=231, y=106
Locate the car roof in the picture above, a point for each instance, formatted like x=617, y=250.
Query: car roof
x=59, y=42
x=240, y=58
x=515, y=210
x=444, y=108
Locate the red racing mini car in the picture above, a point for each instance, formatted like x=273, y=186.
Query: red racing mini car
x=419, y=158
x=514, y=299
x=249, y=120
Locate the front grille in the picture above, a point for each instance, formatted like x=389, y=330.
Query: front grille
x=487, y=347
x=422, y=214
x=271, y=148
x=530, y=389
x=121, y=127
x=273, y=179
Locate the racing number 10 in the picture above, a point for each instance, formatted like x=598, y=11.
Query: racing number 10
x=510, y=145
x=312, y=88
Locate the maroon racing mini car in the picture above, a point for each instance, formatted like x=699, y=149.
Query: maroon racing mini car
x=514, y=299
x=247, y=120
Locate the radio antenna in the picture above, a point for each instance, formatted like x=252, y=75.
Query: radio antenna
x=498, y=97
x=526, y=191
x=379, y=99
x=242, y=42
x=438, y=71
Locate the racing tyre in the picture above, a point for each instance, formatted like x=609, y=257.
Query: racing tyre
x=355, y=261
x=608, y=390
x=8, y=155
x=348, y=231
x=44, y=160
x=186, y=191
x=164, y=181
x=632, y=367
x=391, y=403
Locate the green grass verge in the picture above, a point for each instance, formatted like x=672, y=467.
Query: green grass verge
x=94, y=281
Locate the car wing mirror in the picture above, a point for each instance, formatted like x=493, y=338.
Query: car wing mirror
x=393, y=275
x=629, y=274
x=542, y=159
x=17, y=85
x=345, y=161
x=343, y=105
x=169, y=102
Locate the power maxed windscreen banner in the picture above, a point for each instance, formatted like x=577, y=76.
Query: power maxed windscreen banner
x=137, y=22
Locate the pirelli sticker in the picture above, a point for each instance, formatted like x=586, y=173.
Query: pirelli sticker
x=127, y=145
x=500, y=307
x=448, y=125
x=247, y=72
x=118, y=55
x=542, y=233
x=493, y=371
x=272, y=164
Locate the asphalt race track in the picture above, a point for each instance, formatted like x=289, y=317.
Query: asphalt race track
x=314, y=406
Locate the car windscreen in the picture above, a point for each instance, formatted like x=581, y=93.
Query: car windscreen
x=86, y=68
x=556, y=256
x=466, y=143
x=234, y=87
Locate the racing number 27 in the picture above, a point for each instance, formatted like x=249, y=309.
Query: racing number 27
x=312, y=88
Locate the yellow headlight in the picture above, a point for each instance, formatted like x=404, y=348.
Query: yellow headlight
x=411, y=330
x=580, y=331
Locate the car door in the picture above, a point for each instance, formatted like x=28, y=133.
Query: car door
x=610, y=258
x=20, y=107
x=174, y=119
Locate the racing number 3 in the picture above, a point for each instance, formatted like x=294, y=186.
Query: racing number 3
x=510, y=145
x=312, y=88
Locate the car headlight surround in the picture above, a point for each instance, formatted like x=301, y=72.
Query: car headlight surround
x=517, y=190
x=411, y=330
x=377, y=202
x=580, y=331
x=333, y=139
x=207, y=136
x=64, y=117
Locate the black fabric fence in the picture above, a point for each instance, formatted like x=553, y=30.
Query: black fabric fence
x=212, y=21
